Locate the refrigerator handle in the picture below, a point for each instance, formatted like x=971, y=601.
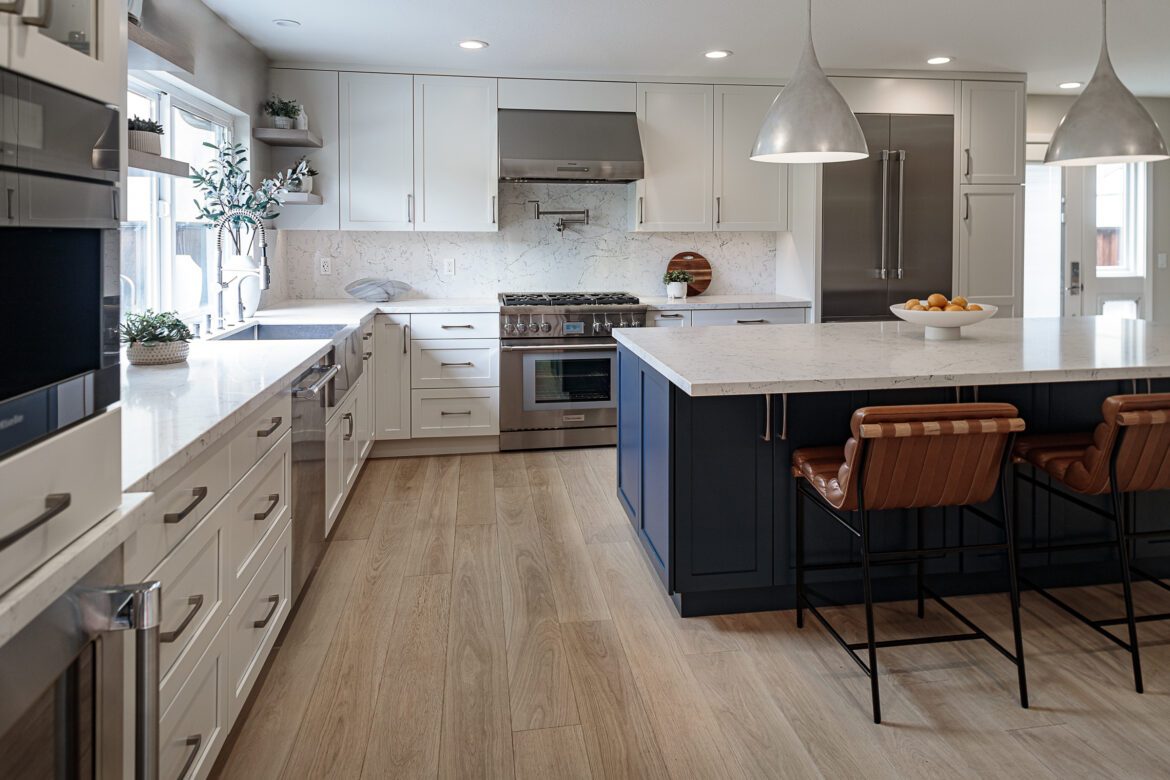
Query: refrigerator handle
x=901, y=200
x=883, y=272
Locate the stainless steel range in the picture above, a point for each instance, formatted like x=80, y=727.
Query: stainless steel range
x=558, y=367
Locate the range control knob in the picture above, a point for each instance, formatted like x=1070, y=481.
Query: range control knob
x=545, y=327
x=521, y=327
x=608, y=327
x=509, y=327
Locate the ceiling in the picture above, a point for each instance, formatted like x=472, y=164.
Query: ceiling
x=1051, y=40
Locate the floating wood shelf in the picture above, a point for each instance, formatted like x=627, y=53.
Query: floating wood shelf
x=273, y=137
x=149, y=52
x=143, y=161
x=303, y=199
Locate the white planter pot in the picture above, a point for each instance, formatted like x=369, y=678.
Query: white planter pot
x=140, y=354
x=145, y=141
x=282, y=122
x=676, y=289
x=306, y=186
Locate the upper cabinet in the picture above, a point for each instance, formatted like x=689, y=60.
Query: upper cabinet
x=991, y=146
x=748, y=195
x=676, y=123
x=317, y=91
x=376, y=122
x=456, y=154
x=77, y=45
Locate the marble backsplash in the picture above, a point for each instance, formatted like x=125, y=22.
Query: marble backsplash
x=526, y=254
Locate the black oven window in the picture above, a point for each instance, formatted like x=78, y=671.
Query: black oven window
x=558, y=380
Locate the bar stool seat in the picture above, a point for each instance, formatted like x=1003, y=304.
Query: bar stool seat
x=821, y=466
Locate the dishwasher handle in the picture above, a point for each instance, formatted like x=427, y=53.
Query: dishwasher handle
x=312, y=390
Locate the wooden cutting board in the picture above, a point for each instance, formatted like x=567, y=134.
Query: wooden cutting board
x=697, y=265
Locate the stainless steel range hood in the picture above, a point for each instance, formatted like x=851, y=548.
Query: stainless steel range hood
x=572, y=146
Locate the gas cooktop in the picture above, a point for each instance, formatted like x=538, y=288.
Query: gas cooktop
x=568, y=299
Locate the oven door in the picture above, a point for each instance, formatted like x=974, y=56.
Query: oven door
x=552, y=386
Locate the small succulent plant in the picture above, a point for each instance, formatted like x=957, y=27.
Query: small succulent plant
x=152, y=327
x=144, y=125
x=678, y=276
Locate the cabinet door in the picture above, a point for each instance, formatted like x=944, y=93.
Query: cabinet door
x=376, y=122
x=350, y=441
x=367, y=427
x=316, y=90
x=334, y=476
x=456, y=154
x=991, y=247
x=991, y=146
x=392, y=376
x=676, y=122
x=74, y=45
x=748, y=195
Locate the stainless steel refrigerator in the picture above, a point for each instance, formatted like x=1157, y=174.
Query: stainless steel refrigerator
x=887, y=232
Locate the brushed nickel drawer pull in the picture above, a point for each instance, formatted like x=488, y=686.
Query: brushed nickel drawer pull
x=467, y=363
x=196, y=744
x=751, y=322
x=456, y=414
x=405, y=336
x=199, y=493
x=196, y=603
x=274, y=601
x=55, y=504
x=276, y=421
x=275, y=499
x=348, y=417
x=457, y=327
x=670, y=316
x=367, y=355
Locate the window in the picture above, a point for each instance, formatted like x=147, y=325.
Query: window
x=1043, y=240
x=1121, y=220
x=168, y=256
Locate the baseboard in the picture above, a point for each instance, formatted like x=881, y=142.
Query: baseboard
x=454, y=445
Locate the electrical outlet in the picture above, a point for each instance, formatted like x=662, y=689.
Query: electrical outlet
x=1162, y=260
x=325, y=265
x=449, y=266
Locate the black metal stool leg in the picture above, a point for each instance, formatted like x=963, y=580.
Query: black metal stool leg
x=871, y=641
x=799, y=559
x=1009, y=523
x=1126, y=580
x=921, y=563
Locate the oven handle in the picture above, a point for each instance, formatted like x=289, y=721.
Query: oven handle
x=559, y=347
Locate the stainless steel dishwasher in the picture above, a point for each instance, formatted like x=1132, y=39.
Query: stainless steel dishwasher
x=309, y=408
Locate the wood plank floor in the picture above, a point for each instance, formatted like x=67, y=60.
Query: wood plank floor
x=493, y=616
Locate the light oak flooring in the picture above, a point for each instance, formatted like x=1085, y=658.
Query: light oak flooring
x=493, y=616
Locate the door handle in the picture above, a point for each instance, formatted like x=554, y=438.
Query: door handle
x=966, y=206
x=55, y=504
x=409, y=208
x=348, y=417
x=43, y=18
x=767, y=418
x=196, y=603
x=275, y=499
x=195, y=742
x=493, y=209
x=640, y=209
x=901, y=200
x=718, y=210
x=266, y=432
x=967, y=166
x=171, y=518
x=883, y=272
x=405, y=336
x=316, y=387
x=11, y=204
x=275, y=602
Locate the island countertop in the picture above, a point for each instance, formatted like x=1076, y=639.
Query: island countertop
x=764, y=359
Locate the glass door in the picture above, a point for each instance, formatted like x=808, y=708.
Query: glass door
x=570, y=380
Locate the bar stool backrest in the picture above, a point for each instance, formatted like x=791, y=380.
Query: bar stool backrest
x=1143, y=455
x=928, y=455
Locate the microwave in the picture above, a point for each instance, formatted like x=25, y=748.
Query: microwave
x=60, y=254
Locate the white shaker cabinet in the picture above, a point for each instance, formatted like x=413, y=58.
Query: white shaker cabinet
x=376, y=124
x=78, y=45
x=991, y=246
x=456, y=154
x=676, y=124
x=748, y=195
x=392, y=376
x=316, y=90
x=991, y=145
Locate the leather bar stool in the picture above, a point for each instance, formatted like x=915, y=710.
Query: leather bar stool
x=1127, y=453
x=909, y=458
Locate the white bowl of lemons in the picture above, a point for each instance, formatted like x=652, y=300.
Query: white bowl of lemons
x=941, y=317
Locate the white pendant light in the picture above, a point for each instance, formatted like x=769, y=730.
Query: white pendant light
x=1106, y=124
x=809, y=122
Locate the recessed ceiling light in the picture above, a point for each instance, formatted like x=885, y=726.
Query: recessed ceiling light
x=939, y=60
x=473, y=44
x=286, y=22
x=717, y=54
x=1071, y=85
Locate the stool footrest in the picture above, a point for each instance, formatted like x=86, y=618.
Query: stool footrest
x=1136, y=618
x=1088, y=621
x=922, y=640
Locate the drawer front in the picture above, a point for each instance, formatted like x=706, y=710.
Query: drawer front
x=256, y=620
x=485, y=325
x=193, y=729
x=253, y=510
x=700, y=317
x=259, y=434
x=668, y=319
x=193, y=601
x=75, y=475
x=471, y=412
x=445, y=363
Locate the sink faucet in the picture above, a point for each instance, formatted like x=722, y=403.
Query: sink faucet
x=263, y=273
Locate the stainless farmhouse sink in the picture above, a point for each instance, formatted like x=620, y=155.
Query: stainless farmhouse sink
x=263, y=331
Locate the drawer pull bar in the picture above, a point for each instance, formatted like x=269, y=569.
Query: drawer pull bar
x=560, y=348
x=275, y=602
x=55, y=504
x=196, y=604
x=275, y=499
x=670, y=316
x=196, y=745
x=276, y=421
x=467, y=363
x=199, y=493
x=750, y=322
x=367, y=355
x=456, y=414
x=457, y=327
x=316, y=387
x=348, y=417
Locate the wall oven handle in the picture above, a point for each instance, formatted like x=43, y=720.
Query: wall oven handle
x=266, y=432
x=557, y=347
x=196, y=604
x=316, y=387
x=55, y=504
x=275, y=602
x=195, y=742
x=171, y=518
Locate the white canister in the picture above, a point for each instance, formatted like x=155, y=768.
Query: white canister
x=676, y=290
x=303, y=120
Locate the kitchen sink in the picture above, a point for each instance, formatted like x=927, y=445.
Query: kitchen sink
x=264, y=331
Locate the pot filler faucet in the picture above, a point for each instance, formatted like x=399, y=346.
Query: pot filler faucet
x=263, y=274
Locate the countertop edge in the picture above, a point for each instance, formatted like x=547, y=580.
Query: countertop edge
x=696, y=304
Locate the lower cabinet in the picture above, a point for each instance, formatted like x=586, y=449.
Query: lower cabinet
x=472, y=411
x=679, y=318
x=343, y=454
x=193, y=728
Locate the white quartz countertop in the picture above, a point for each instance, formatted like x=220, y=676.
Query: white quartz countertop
x=348, y=310
x=726, y=302
x=171, y=414
x=742, y=360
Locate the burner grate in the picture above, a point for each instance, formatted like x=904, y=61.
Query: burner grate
x=568, y=299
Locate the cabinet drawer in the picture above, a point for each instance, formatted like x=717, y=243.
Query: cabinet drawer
x=454, y=363
x=83, y=463
x=252, y=510
x=256, y=620
x=668, y=319
x=258, y=434
x=471, y=412
x=700, y=317
x=483, y=325
x=193, y=602
x=192, y=730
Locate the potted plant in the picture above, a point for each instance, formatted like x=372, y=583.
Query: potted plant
x=155, y=338
x=676, y=283
x=145, y=135
x=303, y=182
x=282, y=112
